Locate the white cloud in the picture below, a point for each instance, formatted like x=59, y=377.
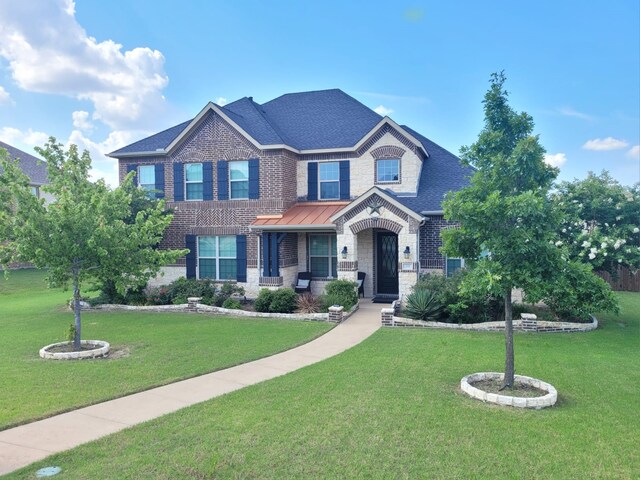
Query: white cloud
x=608, y=143
x=221, y=101
x=5, y=98
x=634, y=152
x=382, y=110
x=16, y=137
x=570, y=112
x=103, y=166
x=49, y=52
x=555, y=159
x=81, y=120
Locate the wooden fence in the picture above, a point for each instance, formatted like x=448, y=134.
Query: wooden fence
x=626, y=281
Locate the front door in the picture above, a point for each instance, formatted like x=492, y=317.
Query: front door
x=387, y=263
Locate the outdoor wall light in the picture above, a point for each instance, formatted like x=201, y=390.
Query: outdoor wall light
x=344, y=252
x=407, y=252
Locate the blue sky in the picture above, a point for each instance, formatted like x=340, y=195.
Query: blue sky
x=104, y=74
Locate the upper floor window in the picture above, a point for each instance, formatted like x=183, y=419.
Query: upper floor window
x=217, y=257
x=147, y=177
x=35, y=191
x=329, y=179
x=193, y=181
x=387, y=170
x=239, y=179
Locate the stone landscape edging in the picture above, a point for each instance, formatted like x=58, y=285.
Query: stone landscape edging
x=544, y=401
x=529, y=323
x=195, y=307
x=102, y=351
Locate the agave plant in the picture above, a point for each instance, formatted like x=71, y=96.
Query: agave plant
x=422, y=304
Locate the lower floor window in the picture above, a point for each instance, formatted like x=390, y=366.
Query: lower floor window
x=323, y=256
x=453, y=265
x=217, y=257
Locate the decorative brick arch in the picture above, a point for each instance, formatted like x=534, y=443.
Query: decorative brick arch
x=387, y=151
x=239, y=154
x=375, y=222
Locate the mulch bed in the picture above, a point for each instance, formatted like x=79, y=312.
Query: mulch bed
x=520, y=389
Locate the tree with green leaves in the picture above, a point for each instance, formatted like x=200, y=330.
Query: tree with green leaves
x=601, y=225
x=83, y=234
x=508, y=223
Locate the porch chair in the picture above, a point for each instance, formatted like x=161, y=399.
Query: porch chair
x=361, y=277
x=303, y=283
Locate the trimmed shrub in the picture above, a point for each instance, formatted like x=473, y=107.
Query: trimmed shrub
x=263, y=301
x=182, y=288
x=307, y=303
x=340, y=292
x=423, y=304
x=232, y=303
x=283, y=301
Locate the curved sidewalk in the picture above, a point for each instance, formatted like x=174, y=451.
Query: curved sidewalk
x=28, y=443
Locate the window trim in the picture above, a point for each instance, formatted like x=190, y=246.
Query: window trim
x=141, y=185
x=186, y=182
x=332, y=238
x=320, y=181
x=388, y=182
x=217, y=258
x=238, y=181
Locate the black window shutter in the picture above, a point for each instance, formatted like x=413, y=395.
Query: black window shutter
x=133, y=168
x=223, y=180
x=241, y=258
x=192, y=256
x=345, y=191
x=312, y=181
x=254, y=178
x=159, y=180
x=207, y=180
x=178, y=182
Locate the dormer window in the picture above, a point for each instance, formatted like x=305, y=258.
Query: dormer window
x=388, y=170
x=329, y=180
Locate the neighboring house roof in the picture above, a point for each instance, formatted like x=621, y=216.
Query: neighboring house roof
x=33, y=167
x=441, y=172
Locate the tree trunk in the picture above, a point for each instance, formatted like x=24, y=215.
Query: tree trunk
x=76, y=312
x=509, y=366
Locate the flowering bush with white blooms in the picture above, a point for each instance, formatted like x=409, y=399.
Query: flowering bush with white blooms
x=602, y=221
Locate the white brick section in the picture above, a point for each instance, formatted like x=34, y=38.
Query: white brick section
x=167, y=275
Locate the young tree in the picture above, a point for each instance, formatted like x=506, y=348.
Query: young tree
x=507, y=212
x=602, y=221
x=83, y=234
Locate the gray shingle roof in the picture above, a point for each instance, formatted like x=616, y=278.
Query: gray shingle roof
x=441, y=173
x=326, y=119
x=33, y=167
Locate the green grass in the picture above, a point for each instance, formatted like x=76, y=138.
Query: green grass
x=391, y=408
x=158, y=348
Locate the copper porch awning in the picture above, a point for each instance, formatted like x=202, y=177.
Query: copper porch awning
x=302, y=216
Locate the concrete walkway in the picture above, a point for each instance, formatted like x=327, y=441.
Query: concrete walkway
x=28, y=443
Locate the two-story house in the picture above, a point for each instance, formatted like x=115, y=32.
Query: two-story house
x=311, y=181
x=32, y=167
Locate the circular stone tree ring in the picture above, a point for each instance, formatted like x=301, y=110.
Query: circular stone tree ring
x=90, y=349
x=466, y=384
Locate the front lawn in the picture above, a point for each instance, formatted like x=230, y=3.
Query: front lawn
x=148, y=349
x=391, y=408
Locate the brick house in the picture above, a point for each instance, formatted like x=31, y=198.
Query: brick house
x=311, y=181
